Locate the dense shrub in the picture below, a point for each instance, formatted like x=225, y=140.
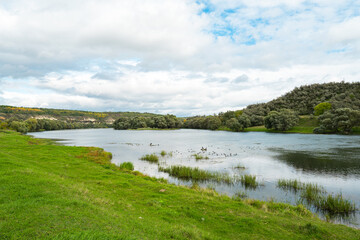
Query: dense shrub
x=282, y=120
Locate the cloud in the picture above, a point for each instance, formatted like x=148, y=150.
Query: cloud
x=183, y=57
x=241, y=79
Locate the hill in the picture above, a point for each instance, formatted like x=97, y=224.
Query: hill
x=70, y=116
x=303, y=99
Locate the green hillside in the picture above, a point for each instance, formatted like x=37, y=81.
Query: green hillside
x=303, y=99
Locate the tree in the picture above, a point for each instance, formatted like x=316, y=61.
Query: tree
x=233, y=124
x=122, y=123
x=321, y=108
x=244, y=121
x=340, y=120
x=212, y=122
x=282, y=120
x=19, y=126
x=31, y=124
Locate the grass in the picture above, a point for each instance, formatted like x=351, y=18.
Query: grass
x=316, y=195
x=249, y=181
x=293, y=185
x=335, y=204
x=311, y=192
x=199, y=156
x=195, y=174
x=57, y=192
x=127, y=165
x=241, y=167
x=163, y=153
x=153, y=158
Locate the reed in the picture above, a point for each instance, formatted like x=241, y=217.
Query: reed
x=199, y=156
x=334, y=204
x=150, y=158
x=249, y=181
x=293, y=185
x=189, y=173
x=311, y=192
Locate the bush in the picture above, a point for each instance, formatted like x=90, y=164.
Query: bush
x=321, y=108
x=282, y=120
x=340, y=120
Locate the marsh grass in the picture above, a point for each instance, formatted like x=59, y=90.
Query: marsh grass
x=293, y=185
x=249, y=181
x=196, y=174
x=316, y=195
x=127, y=166
x=311, y=192
x=334, y=204
x=150, y=158
x=163, y=153
x=199, y=156
x=240, y=167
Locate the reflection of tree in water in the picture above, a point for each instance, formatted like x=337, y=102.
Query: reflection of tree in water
x=339, y=161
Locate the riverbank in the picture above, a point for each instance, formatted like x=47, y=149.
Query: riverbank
x=49, y=191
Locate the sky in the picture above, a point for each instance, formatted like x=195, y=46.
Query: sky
x=179, y=57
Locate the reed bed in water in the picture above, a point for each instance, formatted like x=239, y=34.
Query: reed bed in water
x=318, y=197
x=199, y=156
x=335, y=204
x=196, y=174
x=150, y=158
x=249, y=181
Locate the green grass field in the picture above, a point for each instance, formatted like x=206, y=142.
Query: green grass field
x=57, y=192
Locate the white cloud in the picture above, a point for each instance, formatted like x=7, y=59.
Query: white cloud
x=169, y=57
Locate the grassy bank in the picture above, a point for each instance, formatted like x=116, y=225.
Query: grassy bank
x=58, y=192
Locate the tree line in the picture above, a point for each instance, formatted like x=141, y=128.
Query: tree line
x=37, y=125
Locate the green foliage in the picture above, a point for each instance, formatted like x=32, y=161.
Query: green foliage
x=340, y=120
x=282, y=120
x=19, y=126
x=150, y=158
x=233, y=124
x=321, y=108
x=163, y=153
x=127, y=165
x=160, y=122
x=212, y=122
x=303, y=99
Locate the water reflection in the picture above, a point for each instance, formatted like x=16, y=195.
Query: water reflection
x=337, y=161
